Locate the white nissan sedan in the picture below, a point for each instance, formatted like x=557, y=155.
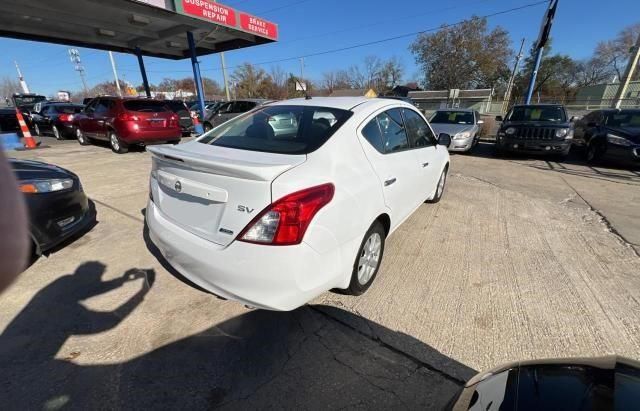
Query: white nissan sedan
x=294, y=198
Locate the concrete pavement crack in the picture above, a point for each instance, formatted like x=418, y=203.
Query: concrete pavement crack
x=605, y=221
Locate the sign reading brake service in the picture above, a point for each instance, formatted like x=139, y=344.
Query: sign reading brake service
x=227, y=16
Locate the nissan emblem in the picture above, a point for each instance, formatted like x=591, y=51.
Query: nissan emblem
x=178, y=186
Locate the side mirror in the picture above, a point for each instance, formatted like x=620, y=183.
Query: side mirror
x=444, y=139
x=499, y=118
x=574, y=119
x=480, y=122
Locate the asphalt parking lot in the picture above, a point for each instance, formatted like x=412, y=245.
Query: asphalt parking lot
x=524, y=258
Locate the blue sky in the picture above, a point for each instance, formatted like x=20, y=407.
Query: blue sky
x=312, y=26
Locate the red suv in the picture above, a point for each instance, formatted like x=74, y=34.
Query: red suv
x=127, y=121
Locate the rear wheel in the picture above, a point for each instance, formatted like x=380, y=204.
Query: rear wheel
x=117, y=145
x=442, y=182
x=36, y=129
x=82, y=139
x=368, y=260
x=56, y=133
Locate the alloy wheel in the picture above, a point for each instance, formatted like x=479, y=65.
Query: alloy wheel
x=37, y=130
x=115, y=143
x=80, y=136
x=56, y=133
x=369, y=258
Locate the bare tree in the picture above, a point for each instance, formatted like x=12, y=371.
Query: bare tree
x=390, y=74
x=329, y=80
x=8, y=86
x=279, y=78
x=372, y=66
x=616, y=52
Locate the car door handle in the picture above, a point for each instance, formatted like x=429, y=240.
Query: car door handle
x=425, y=165
x=100, y=121
x=387, y=183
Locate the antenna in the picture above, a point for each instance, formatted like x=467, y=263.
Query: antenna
x=23, y=84
x=74, y=56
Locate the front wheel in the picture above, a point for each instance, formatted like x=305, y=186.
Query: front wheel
x=594, y=152
x=442, y=182
x=82, y=139
x=117, y=145
x=368, y=260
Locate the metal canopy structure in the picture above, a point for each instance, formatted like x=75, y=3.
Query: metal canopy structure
x=171, y=29
x=157, y=27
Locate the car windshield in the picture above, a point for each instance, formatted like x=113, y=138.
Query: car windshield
x=28, y=100
x=538, y=113
x=624, y=119
x=68, y=109
x=279, y=129
x=452, y=117
x=146, y=106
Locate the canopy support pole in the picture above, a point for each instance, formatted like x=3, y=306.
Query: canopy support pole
x=145, y=80
x=198, y=79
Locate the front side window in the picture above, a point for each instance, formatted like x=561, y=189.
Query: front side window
x=279, y=129
x=624, y=119
x=419, y=132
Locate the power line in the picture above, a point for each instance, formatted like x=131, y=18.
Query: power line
x=284, y=6
x=371, y=43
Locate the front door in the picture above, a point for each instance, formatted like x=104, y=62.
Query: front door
x=86, y=122
x=425, y=145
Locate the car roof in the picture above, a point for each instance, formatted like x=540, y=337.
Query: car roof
x=539, y=105
x=463, y=110
x=344, y=103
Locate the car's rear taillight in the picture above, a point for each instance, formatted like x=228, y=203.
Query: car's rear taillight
x=128, y=117
x=173, y=121
x=285, y=221
x=65, y=117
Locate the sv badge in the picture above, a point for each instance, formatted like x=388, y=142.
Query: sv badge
x=245, y=209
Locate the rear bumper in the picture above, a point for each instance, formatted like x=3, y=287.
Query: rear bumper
x=535, y=146
x=136, y=136
x=272, y=278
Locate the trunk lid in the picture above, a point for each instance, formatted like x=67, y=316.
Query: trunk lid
x=214, y=192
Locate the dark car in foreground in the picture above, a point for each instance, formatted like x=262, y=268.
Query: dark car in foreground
x=535, y=129
x=57, y=119
x=124, y=122
x=58, y=206
x=606, y=383
x=612, y=134
x=9, y=121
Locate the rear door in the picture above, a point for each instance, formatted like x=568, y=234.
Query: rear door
x=425, y=145
x=394, y=162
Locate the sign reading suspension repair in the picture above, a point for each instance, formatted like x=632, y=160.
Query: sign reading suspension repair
x=227, y=16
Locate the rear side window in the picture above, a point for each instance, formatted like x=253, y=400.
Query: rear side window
x=394, y=134
x=279, y=129
x=145, y=106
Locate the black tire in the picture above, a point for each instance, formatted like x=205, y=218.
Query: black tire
x=442, y=183
x=82, y=139
x=117, y=146
x=361, y=281
x=56, y=133
x=594, y=152
x=36, y=130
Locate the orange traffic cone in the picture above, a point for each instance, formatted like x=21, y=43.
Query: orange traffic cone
x=29, y=141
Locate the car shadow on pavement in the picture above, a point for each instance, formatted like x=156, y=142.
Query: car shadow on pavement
x=313, y=357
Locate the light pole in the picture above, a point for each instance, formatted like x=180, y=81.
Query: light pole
x=74, y=55
x=628, y=74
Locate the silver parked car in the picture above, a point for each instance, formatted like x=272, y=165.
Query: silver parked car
x=463, y=125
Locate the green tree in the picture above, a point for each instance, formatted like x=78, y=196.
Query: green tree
x=464, y=56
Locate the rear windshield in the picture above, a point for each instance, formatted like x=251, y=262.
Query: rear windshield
x=68, y=109
x=538, y=113
x=145, y=106
x=452, y=117
x=279, y=129
x=624, y=119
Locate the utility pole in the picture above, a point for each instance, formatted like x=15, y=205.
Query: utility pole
x=628, y=74
x=543, y=38
x=115, y=73
x=507, y=94
x=302, y=73
x=23, y=84
x=74, y=55
x=224, y=76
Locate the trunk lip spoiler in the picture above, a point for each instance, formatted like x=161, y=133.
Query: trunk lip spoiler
x=248, y=170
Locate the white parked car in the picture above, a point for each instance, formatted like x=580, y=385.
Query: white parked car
x=273, y=220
